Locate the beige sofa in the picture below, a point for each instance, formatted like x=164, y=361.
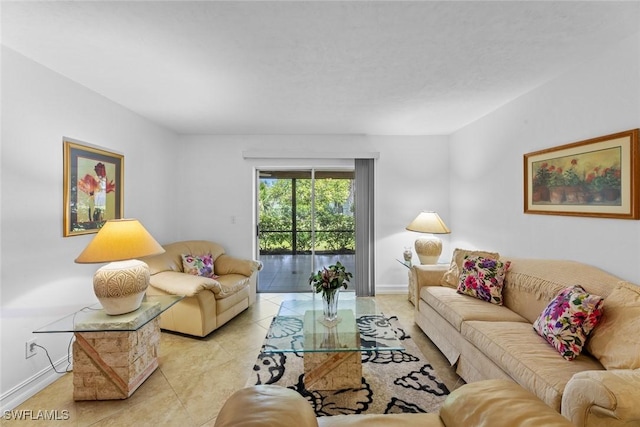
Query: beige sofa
x=209, y=303
x=493, y=403
x=489, y=341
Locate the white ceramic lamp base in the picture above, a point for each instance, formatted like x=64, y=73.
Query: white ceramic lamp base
x=120, y=285
x=428, y=249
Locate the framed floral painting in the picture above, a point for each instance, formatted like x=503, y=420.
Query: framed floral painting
x=598, y=177
x=93, y=187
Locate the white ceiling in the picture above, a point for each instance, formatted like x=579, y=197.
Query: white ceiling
x=303, y=67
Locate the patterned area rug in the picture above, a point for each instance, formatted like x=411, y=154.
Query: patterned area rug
x=392, y=381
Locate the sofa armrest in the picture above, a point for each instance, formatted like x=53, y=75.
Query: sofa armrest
x=266, y=405
x=226, y=264
x=497, y=403
x=591, y=397
x=427, y=275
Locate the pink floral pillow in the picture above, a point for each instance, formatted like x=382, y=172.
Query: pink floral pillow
x=483, y=278
x=198, y=265
x=568, y=319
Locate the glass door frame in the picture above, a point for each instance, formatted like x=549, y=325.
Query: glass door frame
x=312, y=170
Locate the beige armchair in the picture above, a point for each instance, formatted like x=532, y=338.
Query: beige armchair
x=491, y=403
x=209, y=302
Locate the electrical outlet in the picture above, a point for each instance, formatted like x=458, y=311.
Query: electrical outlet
x=30, y=348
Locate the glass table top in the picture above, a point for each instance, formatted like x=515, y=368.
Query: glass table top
x=94, y=318
x=300, y=327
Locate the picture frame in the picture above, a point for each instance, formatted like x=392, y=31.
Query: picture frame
x=597, y=177
x=93, y=183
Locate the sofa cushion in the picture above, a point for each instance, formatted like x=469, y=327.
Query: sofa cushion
x=483, y=278
x=198, y=265
x=457, y=308
x=615, y=342
x=452, y=276
x=568, y=319
x=526, y=357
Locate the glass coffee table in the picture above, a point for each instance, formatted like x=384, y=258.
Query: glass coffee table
x=332, y=352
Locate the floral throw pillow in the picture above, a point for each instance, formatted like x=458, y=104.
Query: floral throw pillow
x=483, y=278
x=568, y=319
x=452, y=277
x=198, y=265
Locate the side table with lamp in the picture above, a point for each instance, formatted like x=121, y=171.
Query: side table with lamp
x=116, y=344
x=428, y=248
x=113, y=354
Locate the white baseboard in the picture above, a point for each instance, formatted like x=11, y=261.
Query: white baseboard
x=32, y=385
x=392, y=289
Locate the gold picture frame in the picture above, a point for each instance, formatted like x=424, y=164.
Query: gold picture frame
x=597, y=177
x=93, y=187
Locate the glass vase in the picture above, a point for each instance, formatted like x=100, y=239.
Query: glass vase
x=330, y=304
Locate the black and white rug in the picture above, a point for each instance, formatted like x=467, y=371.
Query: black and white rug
x=392, y=381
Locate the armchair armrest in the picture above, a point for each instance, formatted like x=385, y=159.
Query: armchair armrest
x=611, y=398
x=178, y=283
x=266, y=405
x=226, y=264
x=497, y=403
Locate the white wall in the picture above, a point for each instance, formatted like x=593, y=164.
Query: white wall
x=39, y=280
x=597, y=98
x=411, y=175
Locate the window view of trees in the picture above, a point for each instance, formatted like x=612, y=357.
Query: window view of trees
x=285, y=215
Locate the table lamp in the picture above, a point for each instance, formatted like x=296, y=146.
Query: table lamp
x=429, y=247
x=121, y=284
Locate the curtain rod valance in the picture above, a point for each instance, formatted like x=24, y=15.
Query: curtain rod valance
x=277, y=154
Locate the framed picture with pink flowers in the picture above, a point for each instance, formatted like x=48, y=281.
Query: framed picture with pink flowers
x=93, y=187
x=599, y=177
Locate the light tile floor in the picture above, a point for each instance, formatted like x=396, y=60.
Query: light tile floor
x=196, y=376
x=290, y=273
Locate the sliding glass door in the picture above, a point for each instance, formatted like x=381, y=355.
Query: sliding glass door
x=305, y=221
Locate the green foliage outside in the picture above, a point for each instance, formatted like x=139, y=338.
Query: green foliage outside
x=335, y=225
